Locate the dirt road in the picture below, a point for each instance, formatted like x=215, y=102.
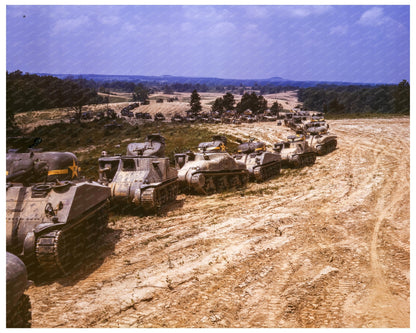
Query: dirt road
x=324, y=246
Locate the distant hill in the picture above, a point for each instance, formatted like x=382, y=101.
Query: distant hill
x=169, y=79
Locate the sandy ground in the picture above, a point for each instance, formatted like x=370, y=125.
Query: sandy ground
x=324, y=246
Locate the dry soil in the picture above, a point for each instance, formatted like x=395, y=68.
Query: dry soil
x=324, y=246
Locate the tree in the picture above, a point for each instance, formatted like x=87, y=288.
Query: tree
x=218, y=106
x=261, y=104
x=140, y=93
x=402, y=98
x=195, y=102
x=228, y=101
x=276, y=108
x=252, y=102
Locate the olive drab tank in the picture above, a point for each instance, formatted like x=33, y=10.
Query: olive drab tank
x=143, y=176
x=260, y=163
x=18, y=307
x=211, y=169
x=52, y=215
x=321, y=140
x=295, y=152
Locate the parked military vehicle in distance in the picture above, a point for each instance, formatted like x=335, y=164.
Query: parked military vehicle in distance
x=143, y=176
x=18, y=307
x=296, y=123
x=159, y=116
x=295, y=152
x=211, y=169
x=260, y=163
x=51, y=215
x=177, y=118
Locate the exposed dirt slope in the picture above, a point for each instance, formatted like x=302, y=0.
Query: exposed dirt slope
x=325, y=246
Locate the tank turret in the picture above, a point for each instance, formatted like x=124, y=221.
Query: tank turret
x=210, y=169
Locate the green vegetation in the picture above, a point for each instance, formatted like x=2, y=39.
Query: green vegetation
x=28, y=92
x=87, y=140
x=195, y=103
x=380, y=99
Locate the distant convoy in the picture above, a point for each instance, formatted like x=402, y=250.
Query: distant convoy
x=55, y=217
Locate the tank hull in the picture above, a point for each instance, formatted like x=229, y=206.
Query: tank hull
x=50, y=225
x=145, y=182
x=212, y=172
x=261, y=166
x=323, y=144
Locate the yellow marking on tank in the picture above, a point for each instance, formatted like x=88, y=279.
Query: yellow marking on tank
x=57, y=172
x=75, y=169
x=7, y=173
x=262, y=148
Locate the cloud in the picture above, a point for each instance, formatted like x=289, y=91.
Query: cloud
x=71, y=24
x=205, y=13
x=304, y=11
x=258, y=11
x=339, y=30
x=109, y=20
x=373, y=17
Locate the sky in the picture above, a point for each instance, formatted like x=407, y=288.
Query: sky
x=350, y=43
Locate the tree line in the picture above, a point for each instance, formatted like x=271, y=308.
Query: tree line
x=354, y=99
x=28, y=92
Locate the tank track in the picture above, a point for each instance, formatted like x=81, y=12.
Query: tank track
x=64, y=250
x=60, y=251
x=301, y=160
x=156, y=197
x=216, y=183
x=262, y=173
x=327, y=147
x=21, y=317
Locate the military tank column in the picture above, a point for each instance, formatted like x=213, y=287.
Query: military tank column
x=52, y=215
x=311, y=127
x=211, y=169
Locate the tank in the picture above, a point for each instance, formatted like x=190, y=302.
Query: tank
x=52, y=216
x=211, y=169
x=295, y=152
x=143, y=177
x=321, y=140
x=260, y=163
x=18, y=307
x=296, y=123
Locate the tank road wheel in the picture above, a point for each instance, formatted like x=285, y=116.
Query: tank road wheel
x=221, y=184
x=209, y=186
x=21, y=317
x=70, y=250
x=235, y=181
x=243, y=180
x=297, y=161
x=60, y=251
x=95, y=227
